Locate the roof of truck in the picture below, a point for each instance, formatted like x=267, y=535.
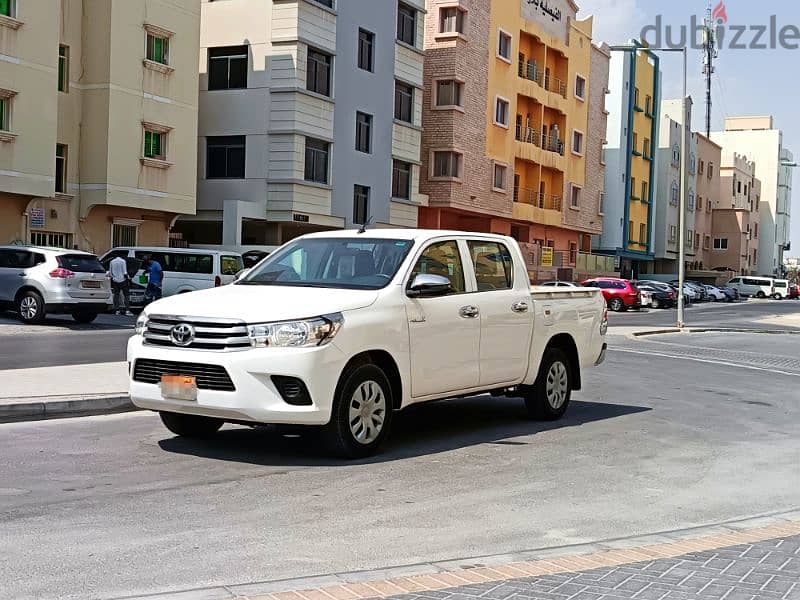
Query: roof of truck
x=400, y=234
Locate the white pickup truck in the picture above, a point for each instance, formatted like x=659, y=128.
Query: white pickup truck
x=341, y=329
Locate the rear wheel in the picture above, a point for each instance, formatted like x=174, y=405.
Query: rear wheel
x=191, y=426
x=84, y=317
x=548, y=398
x=30, y=306
x=777, y=296
x=616, y=305
x=761, y=295
x=362, y=412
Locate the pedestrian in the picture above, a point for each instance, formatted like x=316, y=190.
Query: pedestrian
x=120, y=285
x=155, y=278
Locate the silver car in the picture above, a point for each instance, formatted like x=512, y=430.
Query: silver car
x=40, y=281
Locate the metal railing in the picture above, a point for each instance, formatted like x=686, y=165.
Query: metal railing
x=529, y=135
x=529, y=69
x=536, y=198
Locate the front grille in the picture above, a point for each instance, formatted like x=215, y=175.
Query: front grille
x=210, y=334
x=208, y=377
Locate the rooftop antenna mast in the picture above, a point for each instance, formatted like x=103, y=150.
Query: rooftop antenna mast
x=709, y=55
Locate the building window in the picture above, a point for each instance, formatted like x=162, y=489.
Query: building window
x=63, y=68
x=316, y=168
x=406, y=24
x=631, y=232
x=363, y=132
x=690, y=237
x=673, y=199
x=8, y=8
x=225, y=157
x=575, y=197
x=673, y=233
x=710, y=170
x=501, y=110
x=577, y=142
x=366, y=45
x=157, y=48
x=642, y=233
x=318, y=72
x=755, y=232
x=451, y=19
x=154, y=144
x=328, y=3
x=646, y=148
x=51, y=239
x=696, y=240
x=573, y=253
x=648, y=105
x=676, y=156
x=601, y=204
x=635, y=143
x=124, y=235
x=61, y=169
x=227, y=68
x=403, y=102
x=360, y=204
x=580, y=87
x=448, y=93
x=633, y=189
x=702, y=168
x=720, y=243
x=5, y=113
x=446, y=164
x=699, y=203
x=707, y=242
x=401, y=180
x=645, y=192
x=504, y=45
x=636, y=97
x=500, y=177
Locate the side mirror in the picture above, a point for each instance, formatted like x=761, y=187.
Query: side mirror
x=241, y=274
x=429, y=286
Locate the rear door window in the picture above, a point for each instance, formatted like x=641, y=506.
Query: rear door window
x=16, y=259
x=493, y=265
x=80, y=263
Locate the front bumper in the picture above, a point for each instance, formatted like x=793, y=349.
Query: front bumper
x=256, y=398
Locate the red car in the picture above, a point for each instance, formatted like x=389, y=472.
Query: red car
x=794, y=291
x=620, y=294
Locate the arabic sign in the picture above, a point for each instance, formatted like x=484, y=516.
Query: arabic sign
x=547, y=257
x=37, y=218
x=551, y=15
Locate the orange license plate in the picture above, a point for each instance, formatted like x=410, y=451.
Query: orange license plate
x=179, y=387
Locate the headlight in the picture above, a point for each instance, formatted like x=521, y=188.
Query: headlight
x=296, y=334
x=141, y=324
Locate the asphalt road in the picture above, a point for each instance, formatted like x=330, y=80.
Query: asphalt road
x=664, y=435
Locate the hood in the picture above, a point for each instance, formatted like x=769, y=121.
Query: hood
x=262, y=304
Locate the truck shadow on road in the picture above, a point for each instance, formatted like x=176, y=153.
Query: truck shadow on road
x=417, y=431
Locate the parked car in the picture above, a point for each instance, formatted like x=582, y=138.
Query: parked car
x=185, y=270
x=732, y=294
x=781, y=287
x=558, y=284
x=661, y=295
x=620, y=294
x=700, y=289
x=40, y=281
x=339, y=329
x=647, y=299
x=252, y=257
x=760, y=287
x=715, y=294
x=794, y=291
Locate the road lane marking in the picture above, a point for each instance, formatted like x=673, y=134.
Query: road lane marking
x=703, y=360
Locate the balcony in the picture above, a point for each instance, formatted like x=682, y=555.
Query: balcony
x=537, y=199
x=550, y=143
x=529, y=69
x=527, y=135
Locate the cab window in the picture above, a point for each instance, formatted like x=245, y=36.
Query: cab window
x=442, y=258
x=493, y=265
x=230, y=265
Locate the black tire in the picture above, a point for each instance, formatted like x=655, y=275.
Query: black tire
x=30, y=307
x=542, y=399
x=190, y=426
x=656, y=304
x=761, y=295
x=84, y=317
x=342, y=432
x=616, y=305
x=777, y=296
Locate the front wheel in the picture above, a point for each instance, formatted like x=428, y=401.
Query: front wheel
x=548, y=398
x=191, y=426
x=362, y=412
x=83, y=317
x=30, y=306
x=616, y=305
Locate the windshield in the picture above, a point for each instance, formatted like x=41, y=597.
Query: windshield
x=346, y=263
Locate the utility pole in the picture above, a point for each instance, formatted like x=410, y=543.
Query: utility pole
x=709, y=55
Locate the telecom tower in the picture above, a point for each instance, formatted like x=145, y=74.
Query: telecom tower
x=709, y=55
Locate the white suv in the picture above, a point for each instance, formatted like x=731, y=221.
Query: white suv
x=40, y=281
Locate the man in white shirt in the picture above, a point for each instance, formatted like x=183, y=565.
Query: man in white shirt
x=120, y=285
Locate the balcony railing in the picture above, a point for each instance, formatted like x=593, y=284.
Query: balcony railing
x=529, y=69
x=536, y=198
x=551, y=143
x=529, y=135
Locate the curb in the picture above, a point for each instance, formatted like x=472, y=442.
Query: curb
x=55, y=407
x=637, y=334
x=441, y=575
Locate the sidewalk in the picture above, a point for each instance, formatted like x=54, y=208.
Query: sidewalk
x=27, y=394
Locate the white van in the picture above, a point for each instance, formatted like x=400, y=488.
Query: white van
x=781, y=289
x=185, y=269
x=760, y=287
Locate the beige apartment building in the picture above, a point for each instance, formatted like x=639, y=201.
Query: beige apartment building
x=709, y=156
x=735, y=217
x=98, y=120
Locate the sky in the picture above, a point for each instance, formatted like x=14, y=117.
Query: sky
x=747, y=81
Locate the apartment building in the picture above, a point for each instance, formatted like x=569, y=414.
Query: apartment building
x=98, y=120
x=667, y=200
x=310, y=118
x=630, y=177
x=507, y=148
x=707, y=188
x=757, y=138
x=736, y=217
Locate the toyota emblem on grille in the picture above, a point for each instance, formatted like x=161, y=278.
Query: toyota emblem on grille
x=182, y=334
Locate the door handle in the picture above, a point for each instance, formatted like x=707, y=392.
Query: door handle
x=469, y=312
x=520, y=307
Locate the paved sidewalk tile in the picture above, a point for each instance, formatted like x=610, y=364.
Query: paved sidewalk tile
x=759, y=570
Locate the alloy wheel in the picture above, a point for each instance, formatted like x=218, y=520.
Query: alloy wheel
x=29, y=308
x=367, y=412
x=557, y=385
